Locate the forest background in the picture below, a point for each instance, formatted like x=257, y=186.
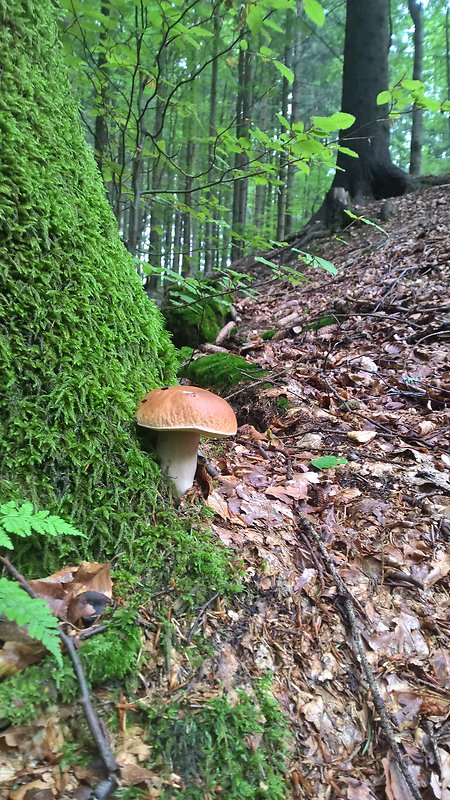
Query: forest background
x=204, y=116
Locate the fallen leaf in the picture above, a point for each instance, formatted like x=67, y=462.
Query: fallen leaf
x=362, y=437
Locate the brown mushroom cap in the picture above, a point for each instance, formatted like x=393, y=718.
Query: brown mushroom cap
x=186, y=408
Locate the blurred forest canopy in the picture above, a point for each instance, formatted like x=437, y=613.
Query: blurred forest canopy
x=209, y=118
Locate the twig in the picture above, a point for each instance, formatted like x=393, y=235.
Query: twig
x=199, y=616
x=106, y=788
x=355, y=628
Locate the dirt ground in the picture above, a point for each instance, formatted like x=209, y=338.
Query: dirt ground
x=336, y=495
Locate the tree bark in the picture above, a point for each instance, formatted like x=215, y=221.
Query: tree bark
x=373, y=174
x=416, y=11
x=209, y=226
x=101, y=127
x=282, y=171
x=241, y=161
x=295, y=114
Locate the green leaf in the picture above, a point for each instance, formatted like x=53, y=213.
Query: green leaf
x=314, y=11
x=243, y=44
x=33, y=614
x=327, y=462
x=343, y=120
x=348, y=152
x=384, y=97
x=338, y=121
x=412, y=85
x=285, y=71
x=265, y=51
x=263, y=260
x=284, y=121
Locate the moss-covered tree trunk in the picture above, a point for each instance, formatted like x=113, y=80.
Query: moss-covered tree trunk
x=79, y=340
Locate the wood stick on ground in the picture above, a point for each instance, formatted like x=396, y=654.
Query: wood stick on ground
x=106, y=788
x=355, y=629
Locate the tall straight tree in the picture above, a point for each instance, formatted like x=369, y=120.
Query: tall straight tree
x=80, y=342
x=365, y=75
x=416, y=11
x=240, y=186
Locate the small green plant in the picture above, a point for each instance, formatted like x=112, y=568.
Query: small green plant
x=328, y=462
x=15, y=604
x=266, y=336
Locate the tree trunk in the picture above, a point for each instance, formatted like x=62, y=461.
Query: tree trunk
x=101, y=127
x=80, y=341
x=295, y=114
x=241, y=161
x=365, y=75
x=209, y=226
x=282, y=171
x=416, y=11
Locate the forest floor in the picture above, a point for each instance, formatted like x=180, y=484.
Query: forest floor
x=346, y=564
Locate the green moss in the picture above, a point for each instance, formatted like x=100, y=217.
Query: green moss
x=240, y=747
x=222, y=371
x=79, y=340
x=178, y=553
x=193, y=317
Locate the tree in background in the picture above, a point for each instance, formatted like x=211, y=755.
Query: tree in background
x=365, y=75
x=417, y=15
x=79, y=341
x=191, y=174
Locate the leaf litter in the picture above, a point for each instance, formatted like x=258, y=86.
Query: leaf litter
x=372, y=390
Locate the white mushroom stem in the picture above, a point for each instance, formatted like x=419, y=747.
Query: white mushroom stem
x=177, y=451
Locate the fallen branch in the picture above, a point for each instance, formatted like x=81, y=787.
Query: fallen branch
x=348, y=604
x=107, y=786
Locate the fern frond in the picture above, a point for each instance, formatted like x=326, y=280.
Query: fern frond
x=5, y=541
x=22, y=520
x=32, y=613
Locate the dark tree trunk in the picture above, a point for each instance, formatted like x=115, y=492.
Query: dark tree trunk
x=209, y=226
x=101, y=127
x=295, y=113
x=282, y=172
x=415, y=162
x=365, y=75
x=241, y=161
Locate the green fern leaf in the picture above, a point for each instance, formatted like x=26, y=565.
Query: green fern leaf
x=22, y=520
x=33, y=614
x=5, y=541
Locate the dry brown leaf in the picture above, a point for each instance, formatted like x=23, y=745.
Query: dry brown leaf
x=441, y=785
x=220, y=507
x=133, y=775
x=362, y=437
x=396, y=788
x=15, y=656
x=35, y=790
x=441, y=568
x=357, y=790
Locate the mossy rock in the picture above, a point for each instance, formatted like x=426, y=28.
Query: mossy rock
x=222, y=371
x=79, y=340
x=193, y=320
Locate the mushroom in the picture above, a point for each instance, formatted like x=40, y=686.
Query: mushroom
x=180, y=415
